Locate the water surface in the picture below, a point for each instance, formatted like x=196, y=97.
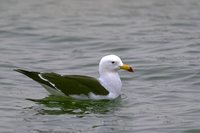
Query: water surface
x=161, y=39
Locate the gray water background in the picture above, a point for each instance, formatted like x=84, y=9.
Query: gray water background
x=160, y=38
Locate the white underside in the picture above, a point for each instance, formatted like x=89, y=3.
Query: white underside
x=94, y=96
x=113, y=93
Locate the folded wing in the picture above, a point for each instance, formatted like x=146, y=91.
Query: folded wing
x=67, y=84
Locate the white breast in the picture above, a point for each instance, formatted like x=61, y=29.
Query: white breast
x=112, y=83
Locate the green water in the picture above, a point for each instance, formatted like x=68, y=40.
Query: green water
x=61, y=105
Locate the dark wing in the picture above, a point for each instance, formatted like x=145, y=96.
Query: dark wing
x=68, y=84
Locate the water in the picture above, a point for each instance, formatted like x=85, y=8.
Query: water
x=160, y=38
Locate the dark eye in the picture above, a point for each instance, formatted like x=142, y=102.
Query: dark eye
x=112, y=62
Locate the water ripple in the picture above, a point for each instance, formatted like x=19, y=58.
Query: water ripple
x=160, y=39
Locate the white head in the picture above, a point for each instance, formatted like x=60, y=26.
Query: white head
x=112, y=63
x=109, y=78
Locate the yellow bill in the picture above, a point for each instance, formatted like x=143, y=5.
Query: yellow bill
x=127, y=68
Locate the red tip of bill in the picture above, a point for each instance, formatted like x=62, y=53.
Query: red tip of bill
x=131, y=69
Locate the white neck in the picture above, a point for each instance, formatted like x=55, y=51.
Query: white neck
x=111, y=81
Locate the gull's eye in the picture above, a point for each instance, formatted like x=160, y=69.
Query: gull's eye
x=112, y=62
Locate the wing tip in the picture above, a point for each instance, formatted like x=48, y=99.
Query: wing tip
x=20, y=70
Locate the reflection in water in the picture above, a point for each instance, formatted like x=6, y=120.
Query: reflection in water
x=55, y=105
x=192, y=131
